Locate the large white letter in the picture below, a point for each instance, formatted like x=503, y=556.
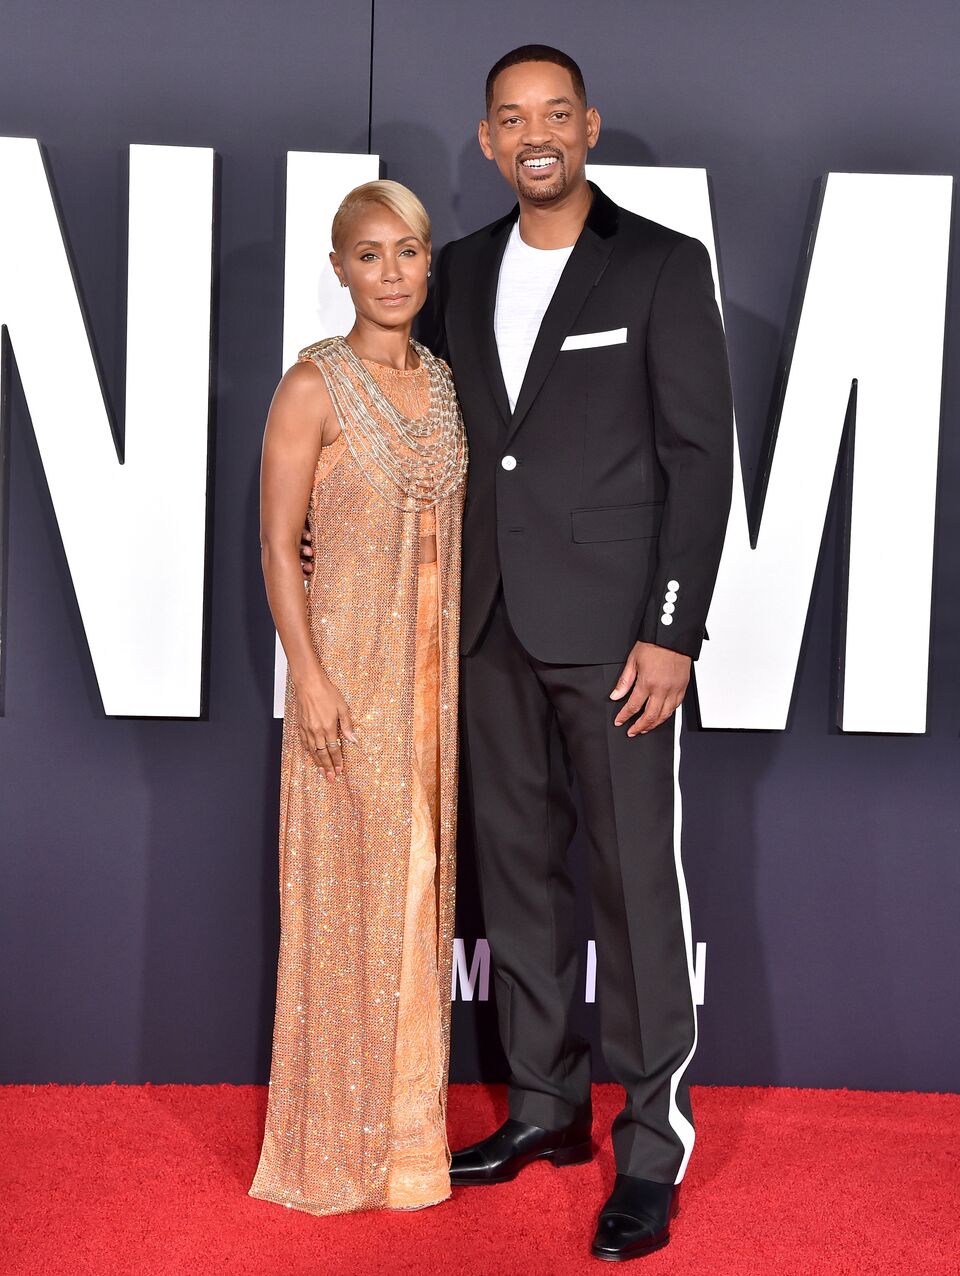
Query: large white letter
x=873, y=311
x=477, y=978
x=314, y=304
x=133, y=533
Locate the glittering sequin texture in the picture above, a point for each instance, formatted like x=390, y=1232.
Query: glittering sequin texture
x=332, y=1131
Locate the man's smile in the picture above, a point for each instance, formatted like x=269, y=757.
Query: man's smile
x=540, y=163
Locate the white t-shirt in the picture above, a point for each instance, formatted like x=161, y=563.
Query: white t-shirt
x=528, y=280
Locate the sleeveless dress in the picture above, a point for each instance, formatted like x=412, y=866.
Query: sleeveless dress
x=356, y=1115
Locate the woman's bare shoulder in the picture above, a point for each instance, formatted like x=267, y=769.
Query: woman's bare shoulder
x=304, y=377
x=302, y=389
x=302, y=408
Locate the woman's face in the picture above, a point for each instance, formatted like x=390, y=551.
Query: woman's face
x=384, y=265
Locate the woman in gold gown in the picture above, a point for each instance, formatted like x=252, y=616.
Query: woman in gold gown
x=364, y=439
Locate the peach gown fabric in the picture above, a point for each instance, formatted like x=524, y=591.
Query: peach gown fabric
x=356, y=1113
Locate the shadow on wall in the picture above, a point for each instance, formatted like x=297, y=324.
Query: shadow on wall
x=426, y=170
x=724, y=772
x=482, y=194
x=617, y=146
x=211, y=929
x=723, y=775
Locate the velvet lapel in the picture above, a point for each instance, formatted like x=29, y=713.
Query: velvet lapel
x=586, y=264
x=491, y=255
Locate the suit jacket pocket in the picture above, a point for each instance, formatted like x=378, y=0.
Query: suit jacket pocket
x=592, y=340
x=617, y=522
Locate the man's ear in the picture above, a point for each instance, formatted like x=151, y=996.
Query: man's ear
x=483, y=137
x=593, y=126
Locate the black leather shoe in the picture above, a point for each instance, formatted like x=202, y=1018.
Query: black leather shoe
x=636, y=1219
x=500, y=1157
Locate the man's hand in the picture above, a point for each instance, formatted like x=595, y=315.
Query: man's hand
x=658, y=678
x=306, y=552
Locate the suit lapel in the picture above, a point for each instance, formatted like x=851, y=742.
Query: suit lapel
x=586, y=264
x=489, y=277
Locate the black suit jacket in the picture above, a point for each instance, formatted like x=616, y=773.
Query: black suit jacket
x=609, y=527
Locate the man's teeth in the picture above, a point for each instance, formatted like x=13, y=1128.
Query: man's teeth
x=541, y=161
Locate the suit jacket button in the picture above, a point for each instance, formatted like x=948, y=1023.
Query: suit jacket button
x=509, y=462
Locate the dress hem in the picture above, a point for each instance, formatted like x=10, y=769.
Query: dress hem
x=323, y=1211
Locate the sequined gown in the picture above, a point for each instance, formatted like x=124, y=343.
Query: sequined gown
x=357, y=1100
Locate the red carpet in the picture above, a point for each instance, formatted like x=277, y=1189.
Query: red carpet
x=152, y=1179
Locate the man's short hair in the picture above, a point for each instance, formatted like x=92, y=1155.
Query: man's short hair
x=537, y=53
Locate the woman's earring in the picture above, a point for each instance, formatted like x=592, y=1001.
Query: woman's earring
x=429, y=273
x=342, y=284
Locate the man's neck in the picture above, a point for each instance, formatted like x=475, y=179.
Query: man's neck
x=557, y=224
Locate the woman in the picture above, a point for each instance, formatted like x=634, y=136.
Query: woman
x=364, y=439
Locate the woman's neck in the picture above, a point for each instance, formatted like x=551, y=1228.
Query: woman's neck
x=388, y=346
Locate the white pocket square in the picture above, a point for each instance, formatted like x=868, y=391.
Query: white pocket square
x=585, y=340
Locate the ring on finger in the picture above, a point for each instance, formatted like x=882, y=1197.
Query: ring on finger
x=332, y=744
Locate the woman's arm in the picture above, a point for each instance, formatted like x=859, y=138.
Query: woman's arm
x=300, y=421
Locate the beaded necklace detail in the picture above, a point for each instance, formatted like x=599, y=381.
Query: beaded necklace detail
x=412, y=462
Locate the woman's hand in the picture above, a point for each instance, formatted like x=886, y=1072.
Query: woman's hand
x=324, y=722
x=306, y=552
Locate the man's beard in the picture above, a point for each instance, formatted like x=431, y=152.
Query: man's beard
x=542, y=192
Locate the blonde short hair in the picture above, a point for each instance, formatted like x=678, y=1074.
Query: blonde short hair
x=398, y=199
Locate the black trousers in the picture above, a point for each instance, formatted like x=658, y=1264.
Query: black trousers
x=527, y=725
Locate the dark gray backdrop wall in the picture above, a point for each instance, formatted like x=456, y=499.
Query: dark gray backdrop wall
x=138, y=916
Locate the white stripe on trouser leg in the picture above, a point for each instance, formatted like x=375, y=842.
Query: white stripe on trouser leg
x=681, y=1126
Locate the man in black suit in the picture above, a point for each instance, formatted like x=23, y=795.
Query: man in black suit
x=589, y=359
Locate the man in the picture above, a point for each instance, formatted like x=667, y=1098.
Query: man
x=589, y=359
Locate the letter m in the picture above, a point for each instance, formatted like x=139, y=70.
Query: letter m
x=477, y=979
x=865, y=349
x=133, y=527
